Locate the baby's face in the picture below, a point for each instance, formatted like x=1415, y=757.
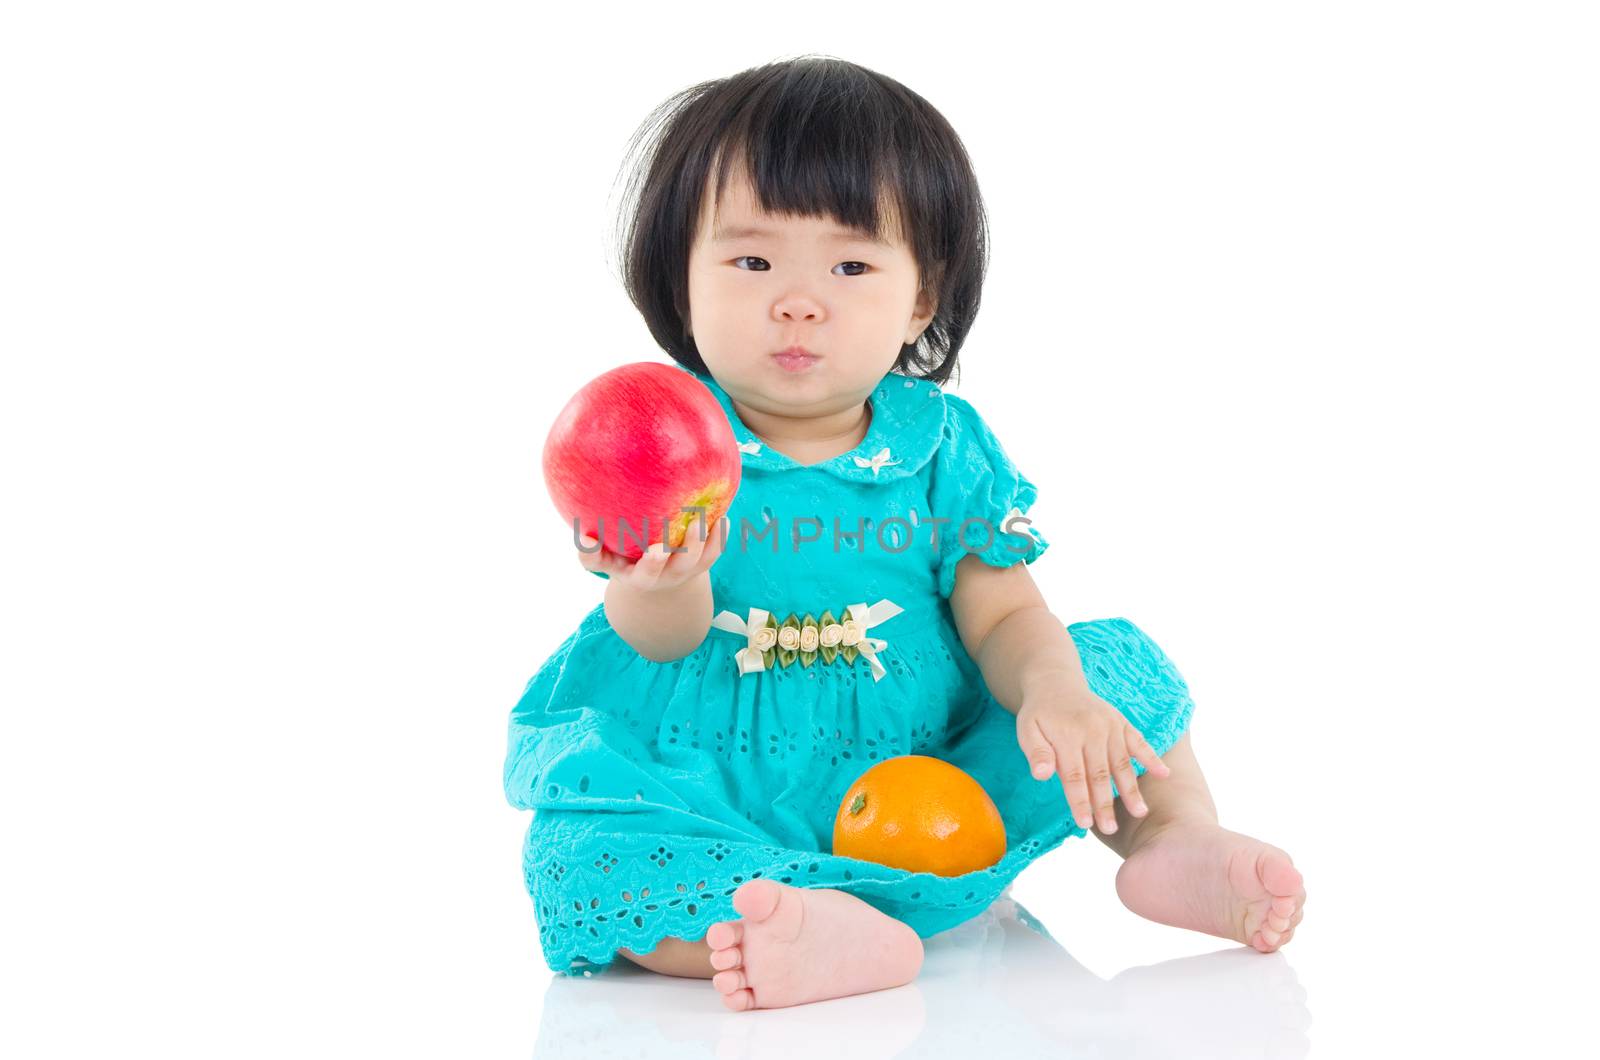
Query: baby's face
x=799, y=282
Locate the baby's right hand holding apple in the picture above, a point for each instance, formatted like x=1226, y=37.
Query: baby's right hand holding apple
x=659, y=569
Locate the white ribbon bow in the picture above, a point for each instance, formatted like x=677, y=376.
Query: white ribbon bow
x=748, y=657
x=750, y=447
x=867, y=617
x=760, y=637
x=876, y=463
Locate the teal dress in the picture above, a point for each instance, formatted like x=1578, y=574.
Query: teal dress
x=659, y=787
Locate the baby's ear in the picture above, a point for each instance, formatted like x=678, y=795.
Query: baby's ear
x=927, y=305
x=928, y=297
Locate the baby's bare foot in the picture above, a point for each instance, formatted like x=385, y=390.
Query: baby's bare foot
x=1198, y=875
x=792, y=945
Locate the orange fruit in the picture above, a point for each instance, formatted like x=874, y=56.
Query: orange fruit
x=920, y=814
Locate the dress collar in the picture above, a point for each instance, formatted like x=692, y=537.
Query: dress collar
x=908, y=418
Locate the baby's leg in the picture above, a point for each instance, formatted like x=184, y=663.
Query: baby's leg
x=675, y=956
x=1181, y=867
x=1180, y=796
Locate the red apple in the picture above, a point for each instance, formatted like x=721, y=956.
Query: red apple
x=641, y=443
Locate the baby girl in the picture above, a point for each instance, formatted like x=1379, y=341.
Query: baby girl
x=808, y=240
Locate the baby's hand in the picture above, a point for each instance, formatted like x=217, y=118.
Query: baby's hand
x=1090, y=742
x=658, y=568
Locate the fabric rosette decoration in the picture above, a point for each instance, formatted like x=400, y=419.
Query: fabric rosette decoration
x=805, y=638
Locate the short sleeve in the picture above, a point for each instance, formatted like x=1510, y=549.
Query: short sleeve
x=985, y=499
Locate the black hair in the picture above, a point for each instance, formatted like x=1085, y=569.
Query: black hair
x=819, y=137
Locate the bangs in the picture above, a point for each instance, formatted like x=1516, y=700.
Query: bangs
x=824, y=157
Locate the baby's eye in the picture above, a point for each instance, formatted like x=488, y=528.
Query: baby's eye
x=751, y=257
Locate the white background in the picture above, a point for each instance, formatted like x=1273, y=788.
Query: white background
x=1291, y=318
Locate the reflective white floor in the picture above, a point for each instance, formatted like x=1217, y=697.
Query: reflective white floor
x=997, y=984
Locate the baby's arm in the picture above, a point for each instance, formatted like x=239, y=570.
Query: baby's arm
x=1011, y=634
x=661, y=603
x=1031, y=666
x=661, y=624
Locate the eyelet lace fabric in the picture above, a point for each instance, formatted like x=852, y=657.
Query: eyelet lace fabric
x=657, y=789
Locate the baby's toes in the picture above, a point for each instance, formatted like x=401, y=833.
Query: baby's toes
x=724, y=933
x=1278, y=874
x=729, y=982
x=1283, y=940
x=728, y=958
x=739, y=1000
x=757, y=899
x=1284, y=913
x=1276, y=931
